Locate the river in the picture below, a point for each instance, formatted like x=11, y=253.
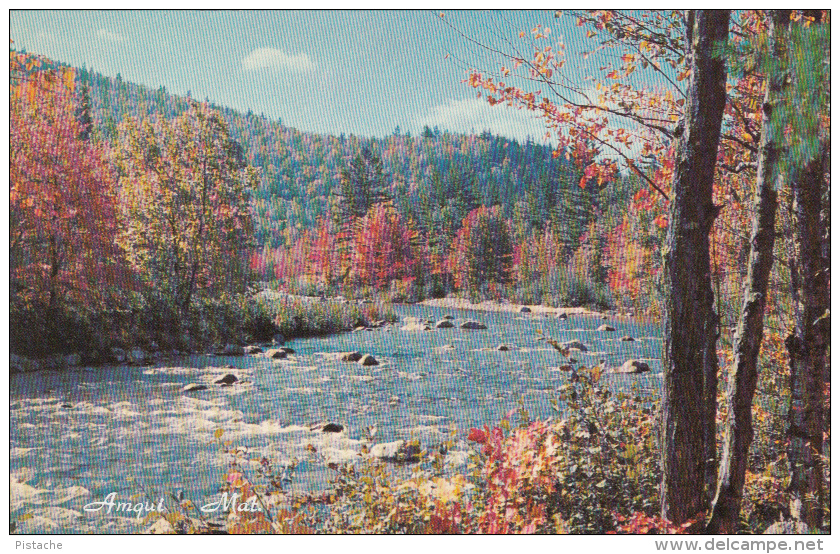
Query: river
x=81, y=434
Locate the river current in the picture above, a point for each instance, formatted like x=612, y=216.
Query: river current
x=81, y=434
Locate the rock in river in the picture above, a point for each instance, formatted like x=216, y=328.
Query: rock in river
x=332, y=428
x=275, y=354
x=444, y=324
x=605, y=327
x=633, y=366
x=368, y=359
x=415, y=326
x=469, y=324
x=350, y=356
x=524, y=310
x=398, y=451
x=227, y=379
x=627, y=338
x=576, y=344
x=503, y=348
x=253, y=349
x=193, y=387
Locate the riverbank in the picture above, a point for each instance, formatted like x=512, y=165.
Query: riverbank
x=504, y=306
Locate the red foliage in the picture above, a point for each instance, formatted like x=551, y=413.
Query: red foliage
x=61, y=199
x=383, y=248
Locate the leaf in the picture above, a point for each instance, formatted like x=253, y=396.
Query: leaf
x=218, y=433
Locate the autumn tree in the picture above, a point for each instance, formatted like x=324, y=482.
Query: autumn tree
x=384, y=248
x=61, y=207
x=184, y=186
x=482, y=252
x=691, y=326
x=806, y=109
x=748, y=336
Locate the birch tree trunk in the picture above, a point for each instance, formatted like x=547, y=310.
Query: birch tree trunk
x=807, y=345
x=743, y=374
x=691, y=324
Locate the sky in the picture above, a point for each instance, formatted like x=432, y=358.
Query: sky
x=352, y=72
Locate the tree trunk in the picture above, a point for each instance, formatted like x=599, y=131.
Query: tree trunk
x=807, y=344
x=690, y=356
x=743, y=374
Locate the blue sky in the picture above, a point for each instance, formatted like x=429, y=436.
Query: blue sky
x=356, y=72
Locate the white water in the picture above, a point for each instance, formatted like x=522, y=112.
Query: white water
x=78, y=435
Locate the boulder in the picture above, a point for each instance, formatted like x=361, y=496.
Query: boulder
x=415, y=327
x=605, y=327
x=252, y=349
x=524, y=310
x=605, y=317
x=503, y=348
x=562, y=316
x=227, y=379
x=287, y=350
x=633, y=366
x=350, y=356
x=448, y=317
x=627, y=338
x=332, y=428
x=469, y=324
x=193, y=387
x=368, y=359
x=398, y=451
x=233, y=350
x=275, y=354
x=444, y=324
x=575, y=345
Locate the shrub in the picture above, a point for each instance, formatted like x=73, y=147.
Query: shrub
x=584, y=473
x=302, y=318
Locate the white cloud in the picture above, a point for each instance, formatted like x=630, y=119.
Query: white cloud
x=110, y=36
x=476, y=115
x=271, y=58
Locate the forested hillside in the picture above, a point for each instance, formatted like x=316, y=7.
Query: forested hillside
x=432, y=183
